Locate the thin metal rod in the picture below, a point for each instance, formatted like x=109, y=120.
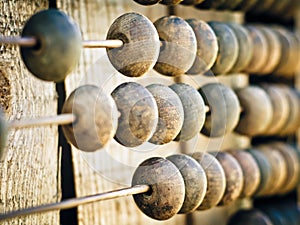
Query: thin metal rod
x=53, y=120
x=22, y=41
x=74, y=202
x=103, y=44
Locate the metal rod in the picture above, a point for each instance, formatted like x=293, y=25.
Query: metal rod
x=103, y=44
x=22, y=41
x=74, y=202
x=53, y=120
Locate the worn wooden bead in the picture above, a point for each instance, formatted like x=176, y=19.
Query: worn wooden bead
x=210, y=4
x=139, y=114
x=170, y=114
x=250, y=217
x=147, y=2
x=194, y=179
x=293, y=167
x=191, y=2
x=260, y=50
x=141, y=46
x=250, y=170
x=194, y=111
x=167, y=193
x=280, y=105
x=179, y=46
x=216, y=180
x=170, y=2
x=3, y=133
x=96, y=118
x=234, y=177
x=224, y=109
x=279, y=168
x=59, y=45
x=246, y=5
x=265, y=171
x=228, y=48
x=207, y=47
x=257, y=111
x=245, y=47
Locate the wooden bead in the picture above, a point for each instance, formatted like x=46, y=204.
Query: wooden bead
x=257, y=111
x=191, y=2
x=194, y=111
x=194, y=179
x=170, y=114
x=141, y=46
x=139, y=114
x=280, y=105
x=234, y=177
x=216, y=180
x=224, y=109
x=250, y=170
x=265, y=171
x=210, y=4
x=167, y=193
x=245, y=47
x=246, y=5
x=250, y=217
x=278, y=166
x=179, y=46
x=230, y=5
x=96, y=118
x=260, y=51
x=207, y=47
x=147, y=2
x=293, y=167
x=59, y=45
x=170, y=2
x=3, y=134
x=228, y=48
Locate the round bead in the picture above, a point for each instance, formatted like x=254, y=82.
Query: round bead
x=139, y=114
x=265, y=171
x=59, y=45
x=234, y=177
x=280, y=105
x=216, y=180
x=228, y=48
x=191, y=2
x=194, y=111
x=207, y=47
x=140, y=51
x=293, y=167
x=167, y=193
x=194, y=179
x=147, y=2
x=179, y=46
x=224, y=109
x=250, y=170
x=250, y=217
x=257, y=111
x=245, y=47
x=170, y=2
x=260, y=51
x=278, y=166
x=96, y=118
x=3, y=134
x=210, y=4
x=246, y=5
x=170, y=114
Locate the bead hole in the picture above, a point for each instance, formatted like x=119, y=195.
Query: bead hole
x=122, y=37
x=162, y=44
x=38, y=45
x=149, y=193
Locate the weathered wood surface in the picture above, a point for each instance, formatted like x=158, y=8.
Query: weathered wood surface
x=29, y=172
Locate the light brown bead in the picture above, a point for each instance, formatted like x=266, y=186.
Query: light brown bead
x=141, y=46
x=194, y=111
x=216, y=180
x=251, y=172
x=139, y=114
x=170, y=114
x=96, y=118
x=3, y=134
x=167, y=193
x=170, y=2
x=245, y=47
x=228, y=48
x=265, y=172
x=194, y=179
x=224, y=109
x=234, y=177
x=260, y=51
x=179, y=46
x=280, y=105
x=257, y=111
x=147, y=2
x=250, y=217
x=207, y=47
